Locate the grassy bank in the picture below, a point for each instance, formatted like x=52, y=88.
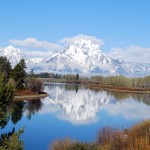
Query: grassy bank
x=100, y=86
x=135, y=138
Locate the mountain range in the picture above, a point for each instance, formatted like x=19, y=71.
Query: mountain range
x=82, y=56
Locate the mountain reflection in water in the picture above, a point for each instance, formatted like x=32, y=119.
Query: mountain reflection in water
x=81, y=106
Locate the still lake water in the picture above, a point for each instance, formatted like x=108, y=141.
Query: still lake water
x=75, y=112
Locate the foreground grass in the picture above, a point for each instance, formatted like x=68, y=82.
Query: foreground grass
x=135, y=138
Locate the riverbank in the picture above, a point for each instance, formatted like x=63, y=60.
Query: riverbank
x=106, y=87
x=26, y=94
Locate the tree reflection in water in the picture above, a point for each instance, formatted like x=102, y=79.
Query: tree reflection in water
x=31, y=107
x=145, y=98
x=15, y=111
x=10, y=140
x=4, y=115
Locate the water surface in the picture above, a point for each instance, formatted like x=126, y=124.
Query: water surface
x=75, y=112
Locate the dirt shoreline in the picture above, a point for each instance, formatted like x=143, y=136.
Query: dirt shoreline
x=29, y=97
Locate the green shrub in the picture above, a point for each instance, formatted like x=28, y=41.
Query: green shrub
x=11, y=141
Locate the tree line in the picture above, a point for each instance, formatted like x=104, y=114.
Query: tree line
x=68, y=77
x=117, y=81
x=123, y=81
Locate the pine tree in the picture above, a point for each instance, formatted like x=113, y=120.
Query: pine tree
x=19, y=74
x=6, y=91
x=77, y=77
x=5, y=67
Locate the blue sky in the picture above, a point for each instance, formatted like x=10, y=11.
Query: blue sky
x=123, y=25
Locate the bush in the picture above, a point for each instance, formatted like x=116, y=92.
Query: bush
x=68, y=144
x=35, y=85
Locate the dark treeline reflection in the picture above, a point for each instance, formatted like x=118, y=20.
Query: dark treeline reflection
x=16, y=109
x=145, y=98
x=31, y=107
x=14, y=112
x=4, y=116
x=11, y=139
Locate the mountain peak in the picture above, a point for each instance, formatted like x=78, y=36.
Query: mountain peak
x=11, y=49
x=13, y=54
x=85, y=43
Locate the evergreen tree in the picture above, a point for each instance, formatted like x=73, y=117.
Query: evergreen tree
x=77, y=77
x=6, y=91
x=19, y=74
x=5, y=67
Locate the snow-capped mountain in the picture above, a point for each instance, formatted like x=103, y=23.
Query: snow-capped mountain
x=84, y=56
x=14, y=55
x=142, y=69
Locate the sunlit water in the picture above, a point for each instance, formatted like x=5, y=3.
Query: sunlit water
x=75, y=112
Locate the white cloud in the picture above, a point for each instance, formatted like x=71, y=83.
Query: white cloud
x=36, y=44
x=131, y=54
x=40, y=54
x=70, y=40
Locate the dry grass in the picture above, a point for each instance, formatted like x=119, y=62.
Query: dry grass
x=61, y=144
x=135, y=138
x=22, y=92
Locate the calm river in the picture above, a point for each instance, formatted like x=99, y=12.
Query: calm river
x=75, y=112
